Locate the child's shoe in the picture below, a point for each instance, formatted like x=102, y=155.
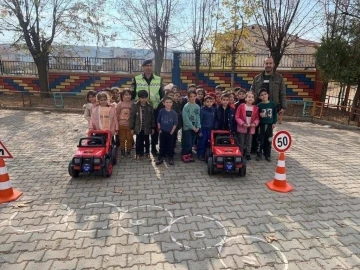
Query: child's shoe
x=191, y=158
x=137, y=158
x=171, y=161
x=185, y=158
x=248, y=157
x=128, y=153
x=159, y=161
x=202, y=158
x=268, y=159
x=258, y=157
x=123, y=153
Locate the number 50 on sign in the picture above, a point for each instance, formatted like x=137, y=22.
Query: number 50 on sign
x=282, y=141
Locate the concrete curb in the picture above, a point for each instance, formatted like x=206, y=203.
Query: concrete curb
x=285, y=118
x=61, y=110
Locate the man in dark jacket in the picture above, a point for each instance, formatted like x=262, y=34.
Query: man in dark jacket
x=273, y=82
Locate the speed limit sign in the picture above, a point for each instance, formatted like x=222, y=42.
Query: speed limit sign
x=282, y=141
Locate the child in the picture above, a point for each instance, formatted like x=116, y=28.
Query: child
x=218, y=92
x=200, y=94
x=91, y=99
x=268, y=118
x=167, y=121
x=117, y=94
x=232, y=100
x=103, y=115
x=191, y=126
x=177, y=107
x=142, y=124
x=247, y=118
x=207, y=115
x=240, y=97
x=224, y=115
x=123, y=111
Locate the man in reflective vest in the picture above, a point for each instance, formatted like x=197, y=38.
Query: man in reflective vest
x=154, y=86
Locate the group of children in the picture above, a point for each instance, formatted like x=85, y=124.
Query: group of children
x=196, y=115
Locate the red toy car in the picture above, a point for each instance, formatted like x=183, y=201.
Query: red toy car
x=225, y=154
x=95, y=153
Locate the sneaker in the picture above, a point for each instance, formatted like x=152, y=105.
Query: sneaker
x=185, y=158
x=268, y=159
x=258, y=157
x=171, y=161
x=202, y=158
x=248, y=157
x=191, y=158
x=159, y=161
x=137, y=158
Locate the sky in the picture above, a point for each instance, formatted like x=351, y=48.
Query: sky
x=182, y=23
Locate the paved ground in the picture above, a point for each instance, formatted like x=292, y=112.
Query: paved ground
x=178, y=217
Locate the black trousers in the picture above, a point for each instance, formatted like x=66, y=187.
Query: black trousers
x=166, y=145
x=142, y=139
x=154, y=139
x=264, y=140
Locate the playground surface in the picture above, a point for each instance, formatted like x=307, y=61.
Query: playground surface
x=178, y=217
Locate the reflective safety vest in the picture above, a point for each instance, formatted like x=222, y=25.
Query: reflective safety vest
x=152, y=88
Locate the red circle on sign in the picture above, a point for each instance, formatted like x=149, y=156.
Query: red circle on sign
x=282, y=141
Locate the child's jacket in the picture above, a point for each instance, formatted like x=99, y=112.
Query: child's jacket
x=207, y=117
x=136, y=116
x=225, y=119
x=240, y=117
x=94, y=122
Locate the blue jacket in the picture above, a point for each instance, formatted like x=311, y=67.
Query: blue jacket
x=207, y=117
x=225, y=119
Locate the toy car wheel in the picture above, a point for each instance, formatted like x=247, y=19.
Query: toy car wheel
x=73, y=173
x=114, y=155
x=242, y=170
x=210, y=166
x=108, y=168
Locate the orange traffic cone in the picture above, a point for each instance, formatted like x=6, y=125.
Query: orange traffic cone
x=7, y=193
x=279, y=183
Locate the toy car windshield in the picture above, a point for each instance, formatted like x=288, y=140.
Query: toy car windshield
x=225, y=141
x=92, y=141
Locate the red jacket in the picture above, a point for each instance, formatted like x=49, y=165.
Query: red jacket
x=240, y=118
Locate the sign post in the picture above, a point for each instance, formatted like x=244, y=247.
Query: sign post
x=281, y=142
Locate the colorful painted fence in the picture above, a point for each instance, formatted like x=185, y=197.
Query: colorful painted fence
x=77, y=84
x=300, y=85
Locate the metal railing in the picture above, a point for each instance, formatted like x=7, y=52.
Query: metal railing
x=81, y=64
x=223, y=60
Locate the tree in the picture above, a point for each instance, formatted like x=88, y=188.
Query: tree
x=282, y=22
x=39, y=23
x=150, y=21
x=202, y=23
x=232, y=30
x=338, y=57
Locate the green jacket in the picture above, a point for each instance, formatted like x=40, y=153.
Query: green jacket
x=277, y=88
x=135, y=118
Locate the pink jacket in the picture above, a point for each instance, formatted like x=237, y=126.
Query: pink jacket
x=240, y=118
x=94, y=120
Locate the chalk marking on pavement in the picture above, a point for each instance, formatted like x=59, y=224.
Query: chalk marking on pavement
x=282, y=255
x=167, y=228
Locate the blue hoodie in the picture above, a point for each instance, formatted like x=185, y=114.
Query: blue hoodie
x=207, y=117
